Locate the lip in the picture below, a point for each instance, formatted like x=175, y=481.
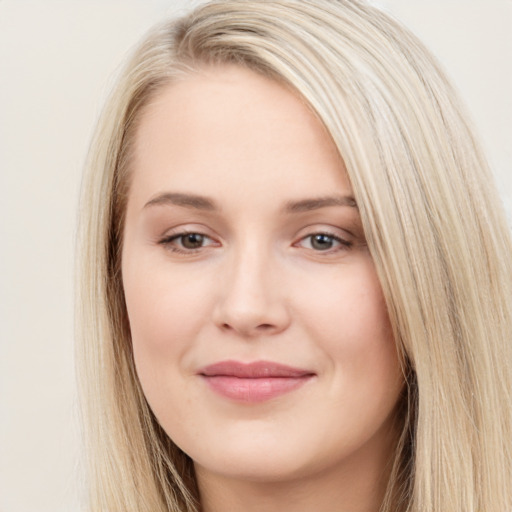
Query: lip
x=254, y=382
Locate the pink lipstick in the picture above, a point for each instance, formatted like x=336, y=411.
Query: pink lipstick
x=253, y=382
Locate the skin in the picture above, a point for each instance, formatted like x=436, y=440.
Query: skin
x=257, y=286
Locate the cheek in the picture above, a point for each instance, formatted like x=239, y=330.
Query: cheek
x=347, y=307
x=349, y=320
x=164, y=314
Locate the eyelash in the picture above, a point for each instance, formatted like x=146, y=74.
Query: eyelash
x=343, y=244
x=169, y=242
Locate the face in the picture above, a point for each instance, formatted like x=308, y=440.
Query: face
x=258, y=324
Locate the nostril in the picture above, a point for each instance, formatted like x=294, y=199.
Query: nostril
x=261, y=327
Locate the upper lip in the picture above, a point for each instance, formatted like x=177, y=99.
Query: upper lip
x=254, y=370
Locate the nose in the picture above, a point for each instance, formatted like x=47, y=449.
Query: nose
x=252, y=300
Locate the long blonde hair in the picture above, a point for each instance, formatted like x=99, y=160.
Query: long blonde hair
x=433, y=221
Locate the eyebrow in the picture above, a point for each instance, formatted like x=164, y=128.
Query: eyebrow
x=185, y=200
x=305, y=205
x=205, y=203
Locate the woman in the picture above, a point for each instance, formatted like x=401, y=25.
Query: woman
x=296, y=289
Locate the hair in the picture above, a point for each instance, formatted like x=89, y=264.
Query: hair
x=434, y=226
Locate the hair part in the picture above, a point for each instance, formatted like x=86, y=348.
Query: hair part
x=433, y=222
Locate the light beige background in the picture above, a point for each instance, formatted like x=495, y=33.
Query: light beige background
x=57, y=62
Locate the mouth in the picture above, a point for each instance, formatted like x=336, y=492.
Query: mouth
x=253, y=382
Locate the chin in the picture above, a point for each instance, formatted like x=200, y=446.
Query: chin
x=262, y=460
x=266, y=468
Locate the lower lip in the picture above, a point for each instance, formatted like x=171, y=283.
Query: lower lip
x=254, y=389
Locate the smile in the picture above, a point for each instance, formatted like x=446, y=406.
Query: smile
x=253, y=382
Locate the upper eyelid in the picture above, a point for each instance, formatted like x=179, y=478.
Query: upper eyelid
x=186, y=230
x=323, y=229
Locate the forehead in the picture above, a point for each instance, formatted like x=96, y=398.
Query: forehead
x=228, y=127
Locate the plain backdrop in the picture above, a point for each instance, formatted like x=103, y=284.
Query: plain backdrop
x=58, y=60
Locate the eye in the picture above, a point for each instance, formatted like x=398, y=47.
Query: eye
x=186, y=242
x=323, y=242
x=192, y=240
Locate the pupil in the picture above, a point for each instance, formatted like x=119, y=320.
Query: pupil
x=321, y=242
x=192, y=241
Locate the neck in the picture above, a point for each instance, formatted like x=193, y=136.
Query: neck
x=286, y=497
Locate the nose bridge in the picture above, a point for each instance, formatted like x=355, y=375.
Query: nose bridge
x=250, y=302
